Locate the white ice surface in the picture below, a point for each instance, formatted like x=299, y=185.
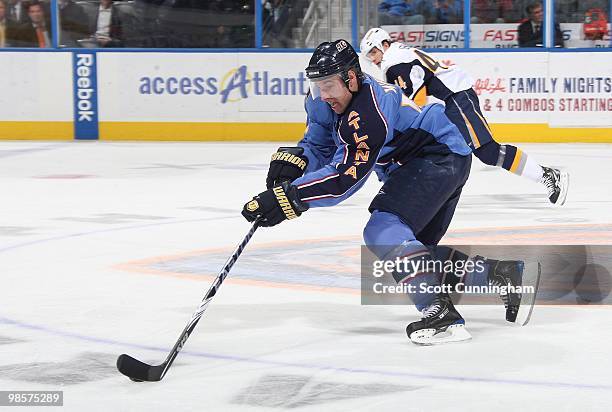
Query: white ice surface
x=107, y=248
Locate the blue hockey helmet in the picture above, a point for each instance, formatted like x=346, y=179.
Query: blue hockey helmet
x=337, y=57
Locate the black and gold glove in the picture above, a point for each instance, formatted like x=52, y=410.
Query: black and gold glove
x=287, y=164
x=275, y=205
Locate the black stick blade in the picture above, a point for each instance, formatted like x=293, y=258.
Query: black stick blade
x=139, y=371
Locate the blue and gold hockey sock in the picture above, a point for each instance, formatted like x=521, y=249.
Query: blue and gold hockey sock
x=511, y=158
x=518, y=162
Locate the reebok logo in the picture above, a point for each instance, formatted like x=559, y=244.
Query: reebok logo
x=84, y=85
x=85, y=94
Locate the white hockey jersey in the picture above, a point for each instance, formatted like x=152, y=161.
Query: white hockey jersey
x=411, y=69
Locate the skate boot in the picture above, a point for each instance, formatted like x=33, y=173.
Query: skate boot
x=556, y=182
x=441, y=323
x=515, y=274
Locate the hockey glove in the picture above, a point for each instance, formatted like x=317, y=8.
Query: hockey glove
x=275, y=205
x=287, y=164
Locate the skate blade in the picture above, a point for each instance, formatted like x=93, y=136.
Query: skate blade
x=564, y=183
x=428, y=337
x=531, y=277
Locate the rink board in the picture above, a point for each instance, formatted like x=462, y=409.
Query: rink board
x=36, y=98
x=526, y=97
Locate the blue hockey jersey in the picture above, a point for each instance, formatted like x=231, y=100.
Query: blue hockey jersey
x=380, y=130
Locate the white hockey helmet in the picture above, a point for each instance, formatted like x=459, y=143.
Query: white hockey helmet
x=374, y=38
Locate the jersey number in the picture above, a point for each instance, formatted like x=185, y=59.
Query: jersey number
x=428, y=61
x=401, y=83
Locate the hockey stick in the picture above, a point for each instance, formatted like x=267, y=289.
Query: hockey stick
x=139, y=371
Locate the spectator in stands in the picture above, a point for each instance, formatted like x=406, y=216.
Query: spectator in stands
x=276, y=28
x=399, y=12
x=594, y=16
x=574, y=11
x=73, y=23
x=444, y=11
x=266, y=14
x=17, y=12
x=494, y=11
x=108, y=27
x=36, y=32
x=222, y=38
x=530, y=31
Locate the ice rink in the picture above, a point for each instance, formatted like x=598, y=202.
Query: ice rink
x=107, y=248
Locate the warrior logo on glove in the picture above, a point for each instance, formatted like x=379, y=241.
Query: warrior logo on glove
x=283, y=202
x=275, y=205
x=252, y=206
x=286, y=165
x=299, y=162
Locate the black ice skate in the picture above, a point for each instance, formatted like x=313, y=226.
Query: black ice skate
x=556, y=182
x=515, y=274
x=441, y=323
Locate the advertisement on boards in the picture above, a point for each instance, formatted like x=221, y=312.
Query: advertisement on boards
x=202, y=87
x=193, y=87
x=487, y=36
x=555, y=88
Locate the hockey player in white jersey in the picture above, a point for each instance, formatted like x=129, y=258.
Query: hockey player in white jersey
x=412, y=69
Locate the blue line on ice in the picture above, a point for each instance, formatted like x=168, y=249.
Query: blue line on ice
x=57, y=332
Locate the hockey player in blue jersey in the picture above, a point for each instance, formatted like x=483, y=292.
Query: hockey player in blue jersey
x=412, y=69
x=418, y=154
x=316, y=149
